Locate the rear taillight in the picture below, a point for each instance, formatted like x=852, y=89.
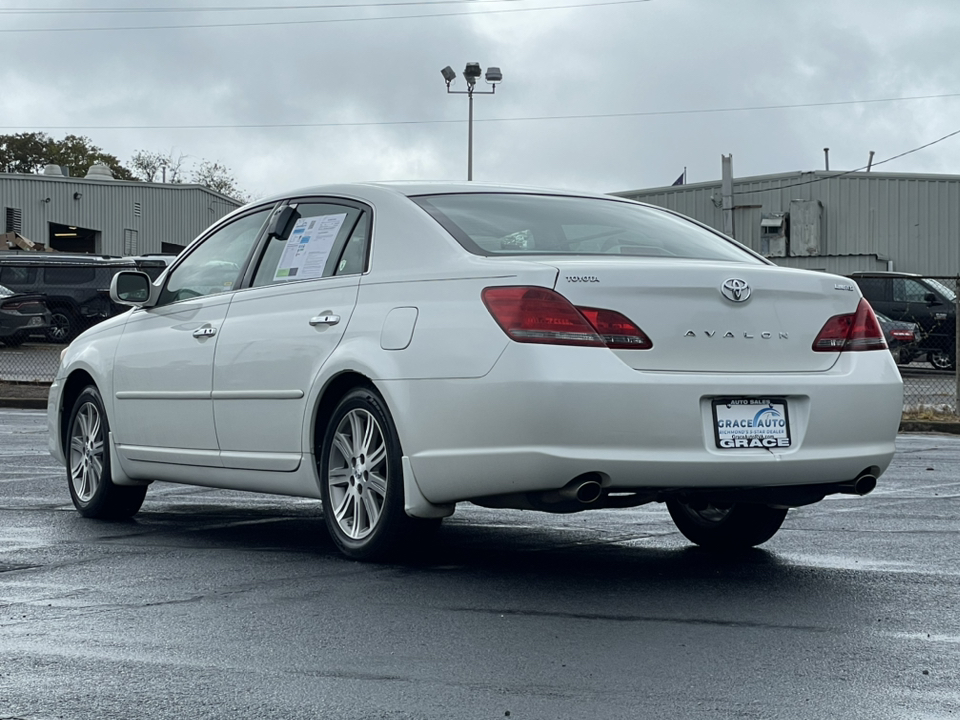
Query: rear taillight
x=850, y=333
x=24, y=308
x=905, y=335
x=540, y=315
x=617, y=331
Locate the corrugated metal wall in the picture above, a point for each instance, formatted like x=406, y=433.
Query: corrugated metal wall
x=868, y=218
x=157, y=213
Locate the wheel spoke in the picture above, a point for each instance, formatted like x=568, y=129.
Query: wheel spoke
x=377, y=456
x=339, y=477
x=371, y=509
x=371, y=427
x=342, y=510
x=76, y=444
x=342, y=444
x=377, y=484
x=356, y=431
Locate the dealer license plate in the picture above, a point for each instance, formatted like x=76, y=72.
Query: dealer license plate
x=751, y=423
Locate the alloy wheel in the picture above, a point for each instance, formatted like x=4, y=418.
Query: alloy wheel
x=357, y=474
x=86, y=452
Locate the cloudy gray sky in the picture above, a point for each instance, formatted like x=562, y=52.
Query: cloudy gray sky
x=603, y=96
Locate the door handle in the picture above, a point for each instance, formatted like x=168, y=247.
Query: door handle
x=205, y=332
x=324, y=320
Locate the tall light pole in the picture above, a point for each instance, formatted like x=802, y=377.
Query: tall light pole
x=470, y=74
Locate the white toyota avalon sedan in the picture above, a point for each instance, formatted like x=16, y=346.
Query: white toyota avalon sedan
x=395, y=349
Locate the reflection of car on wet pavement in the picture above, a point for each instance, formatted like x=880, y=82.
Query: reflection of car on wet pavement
x=394, y=350
x=20, y=314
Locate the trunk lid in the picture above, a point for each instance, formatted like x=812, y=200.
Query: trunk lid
x=696, y=326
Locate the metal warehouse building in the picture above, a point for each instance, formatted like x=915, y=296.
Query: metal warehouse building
x=98, y=214
x=833, y=221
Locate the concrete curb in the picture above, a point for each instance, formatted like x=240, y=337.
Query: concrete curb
x=928, y=426
x=24, y=403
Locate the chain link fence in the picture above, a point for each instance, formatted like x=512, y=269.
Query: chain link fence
x=927, y=307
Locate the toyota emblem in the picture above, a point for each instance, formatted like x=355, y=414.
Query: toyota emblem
x=735, y=290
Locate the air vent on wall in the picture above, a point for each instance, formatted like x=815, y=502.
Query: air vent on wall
x=136, y=209
x=14, y=220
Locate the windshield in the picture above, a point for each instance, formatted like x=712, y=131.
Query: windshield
x=944, y=290
x=518, y=224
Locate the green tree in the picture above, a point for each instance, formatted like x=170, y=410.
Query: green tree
x=23, y=152
x=29, y=152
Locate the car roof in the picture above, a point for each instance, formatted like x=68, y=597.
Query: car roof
x=422, y=187
x=44, y=258
x=882, y=274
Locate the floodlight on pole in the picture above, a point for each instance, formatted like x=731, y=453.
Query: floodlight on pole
x=471, y=73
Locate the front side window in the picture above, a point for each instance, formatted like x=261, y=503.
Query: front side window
x=517, y=224
x=314, y=245
x=216, y=265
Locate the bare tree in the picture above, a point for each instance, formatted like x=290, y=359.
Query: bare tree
x=150, y=166
x=217, y=177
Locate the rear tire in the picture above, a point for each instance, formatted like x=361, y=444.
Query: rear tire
x=726, y=526
x=88, y=464
x=942, y=360
x=63, y=326
x=361, y=481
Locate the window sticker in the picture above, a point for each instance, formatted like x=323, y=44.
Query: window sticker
x=308, y=247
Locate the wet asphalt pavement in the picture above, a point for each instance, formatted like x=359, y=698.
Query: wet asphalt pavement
x=214, y=604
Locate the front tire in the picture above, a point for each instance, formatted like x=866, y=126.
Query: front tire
x=88, y=464
x=726, y=526
x=361, y=480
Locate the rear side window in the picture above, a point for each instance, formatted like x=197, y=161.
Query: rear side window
x=14, y=276
x=69, y=275
x=518, y=224
x=875, y=289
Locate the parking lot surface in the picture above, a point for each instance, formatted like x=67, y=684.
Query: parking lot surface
x=213, y=604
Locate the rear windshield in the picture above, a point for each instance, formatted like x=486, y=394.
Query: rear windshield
x=517, y=224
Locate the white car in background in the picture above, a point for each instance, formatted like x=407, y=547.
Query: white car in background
x=395, y=349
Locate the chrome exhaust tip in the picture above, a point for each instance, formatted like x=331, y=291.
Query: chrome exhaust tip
x=586, y=490
x=863, y=485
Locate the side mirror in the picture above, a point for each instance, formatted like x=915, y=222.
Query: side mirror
x=130, y=287
x=282, y=222
x=931, y=299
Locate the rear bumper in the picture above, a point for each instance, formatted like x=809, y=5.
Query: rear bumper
x=545, y=415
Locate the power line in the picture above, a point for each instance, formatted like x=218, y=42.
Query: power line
x=850, y=172
x=325, y=20
x=650, y=113
x=234, y=8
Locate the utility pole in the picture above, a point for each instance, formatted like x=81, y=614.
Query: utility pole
x=726, y=191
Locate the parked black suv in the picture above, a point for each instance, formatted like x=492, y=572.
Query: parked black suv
x=76, y=287
x=925, y=301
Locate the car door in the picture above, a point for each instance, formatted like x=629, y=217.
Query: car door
x=282, y=328
x=163, y=377
x=910, y=304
